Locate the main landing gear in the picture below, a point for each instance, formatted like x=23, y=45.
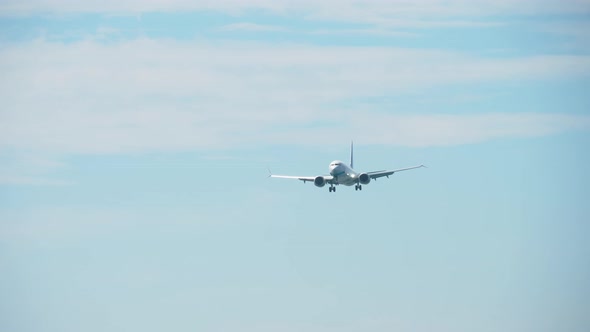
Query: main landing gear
x=332, y=189
x=358, y=187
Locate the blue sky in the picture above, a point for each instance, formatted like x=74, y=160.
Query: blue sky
x=135, y=139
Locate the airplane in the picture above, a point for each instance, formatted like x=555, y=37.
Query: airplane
x=341, y=173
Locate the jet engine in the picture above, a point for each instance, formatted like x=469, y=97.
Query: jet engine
x=319, y=181
x=364, y=178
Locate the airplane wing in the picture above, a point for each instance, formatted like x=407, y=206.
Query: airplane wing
x=377, y=174
x=328, y=178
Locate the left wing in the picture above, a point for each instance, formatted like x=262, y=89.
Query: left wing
x=327, y=178
x=378, y=174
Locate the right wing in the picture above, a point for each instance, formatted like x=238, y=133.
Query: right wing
x=328, y=178
x=378, y=174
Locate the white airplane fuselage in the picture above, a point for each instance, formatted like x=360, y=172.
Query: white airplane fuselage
x=343, y=174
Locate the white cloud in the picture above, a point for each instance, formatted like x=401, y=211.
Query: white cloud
x=573, y=35
x=48, y=224
x=435, y=13
x=367, y=11
x=253, y=27
x=445, y=129
x=147, y=95
x=28, y=168
x=371, y=32
x=16, y=179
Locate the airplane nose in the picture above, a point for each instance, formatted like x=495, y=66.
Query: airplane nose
x=333, y=169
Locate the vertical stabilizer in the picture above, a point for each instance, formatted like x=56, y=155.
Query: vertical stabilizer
x=351, y=155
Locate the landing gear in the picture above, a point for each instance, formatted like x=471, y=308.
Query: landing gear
x=358, y=187
x=332, y=189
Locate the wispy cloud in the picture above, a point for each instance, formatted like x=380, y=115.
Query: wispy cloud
x=29, y=168
x=146, y=95
x=447, y=129
x=436, y=13
x=252, y=27
x=47, y=224
x=573, y=35
x=370, y=32
x=31, y=181
x=328, y=8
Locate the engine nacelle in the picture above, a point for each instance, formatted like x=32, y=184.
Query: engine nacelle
x=364, y=178
x=319, y=181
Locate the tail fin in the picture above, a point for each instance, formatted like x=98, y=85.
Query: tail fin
x=351, y=155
